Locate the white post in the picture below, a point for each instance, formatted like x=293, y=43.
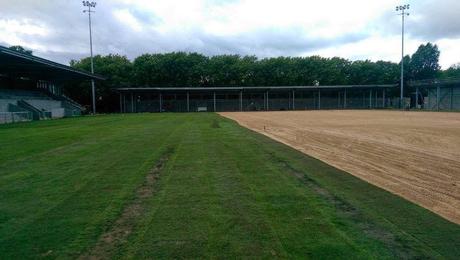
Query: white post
x=402, y=61
x=93, y=88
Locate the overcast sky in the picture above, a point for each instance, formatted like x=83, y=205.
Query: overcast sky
x=353, y=29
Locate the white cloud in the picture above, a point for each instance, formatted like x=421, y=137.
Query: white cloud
x=450, y=52
x=125, y=17
x=355, y=29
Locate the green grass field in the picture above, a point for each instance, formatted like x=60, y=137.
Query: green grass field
x=193, y=186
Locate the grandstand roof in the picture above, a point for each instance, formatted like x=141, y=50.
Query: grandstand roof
x=19, y=64
x=254, y=88
x=447, y=82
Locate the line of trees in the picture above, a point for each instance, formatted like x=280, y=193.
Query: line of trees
x=180, y=69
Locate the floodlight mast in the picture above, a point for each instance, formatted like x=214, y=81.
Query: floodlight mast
x=89, y=11
x=402, y=9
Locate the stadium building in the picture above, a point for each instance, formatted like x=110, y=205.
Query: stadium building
x=30, y=87
x=218, y=99
x=436, y=94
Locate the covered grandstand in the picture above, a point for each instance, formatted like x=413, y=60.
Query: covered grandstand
x=30, y=87
x=436, y=94
x=219, y=99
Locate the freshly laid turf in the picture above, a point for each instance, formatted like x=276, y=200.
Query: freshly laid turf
x=222, y=191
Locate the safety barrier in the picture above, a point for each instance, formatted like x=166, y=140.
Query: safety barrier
x=13, y=117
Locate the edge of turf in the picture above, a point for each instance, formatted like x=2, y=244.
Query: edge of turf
x=413, y=225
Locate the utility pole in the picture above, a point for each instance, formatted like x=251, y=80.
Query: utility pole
x=89, y=11
x=402, y=9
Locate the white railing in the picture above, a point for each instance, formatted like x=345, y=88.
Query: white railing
x=13, y=117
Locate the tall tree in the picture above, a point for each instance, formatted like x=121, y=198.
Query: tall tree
x=20, y=49
x=117, y=69
x=182, y=69
x=452, y=72
x=178, y=69
x=425, y=62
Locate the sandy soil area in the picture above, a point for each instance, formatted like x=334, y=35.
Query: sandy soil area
x=413, y=154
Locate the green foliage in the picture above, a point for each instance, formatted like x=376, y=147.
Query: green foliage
x=170, y=69
x=226, y=192
x=117, y=69
x=424, y=63
x=21, y=49
x=452, y=72
x=180, y=69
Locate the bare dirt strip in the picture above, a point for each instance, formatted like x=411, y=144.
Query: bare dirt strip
x=415, y=155
x=117, y=235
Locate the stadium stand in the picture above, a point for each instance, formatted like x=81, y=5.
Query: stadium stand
x=436, y=94
x=30, y=88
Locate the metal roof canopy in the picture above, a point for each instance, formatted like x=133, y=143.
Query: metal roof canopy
x=146, y=89
x=430, y=83
x=19, y=64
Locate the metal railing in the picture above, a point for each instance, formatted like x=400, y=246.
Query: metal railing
x=13, y=117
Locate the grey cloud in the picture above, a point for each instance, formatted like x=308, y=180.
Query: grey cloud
x=269, y=43
x=68, y=38
x=429, y=20
x=435, y=20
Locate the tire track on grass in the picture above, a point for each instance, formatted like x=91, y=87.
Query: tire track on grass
x=57, y=204
x=121, y=229
x=347, y=211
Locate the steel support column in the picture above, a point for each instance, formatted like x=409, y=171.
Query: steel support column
x=188, y=101
x=121, y=103
x=265, y=101
x=241, y=100
x=214, y=98
x=384, y=103
x=124, y=104
x=345, y=99
x=438, y=95
x=268, y=107
x=161, y=102
x=376, y=99
x=319, y=98
x=293, y=100
x=370, y=98
x=338, y=99
x=290, y=100
x=132, y=102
